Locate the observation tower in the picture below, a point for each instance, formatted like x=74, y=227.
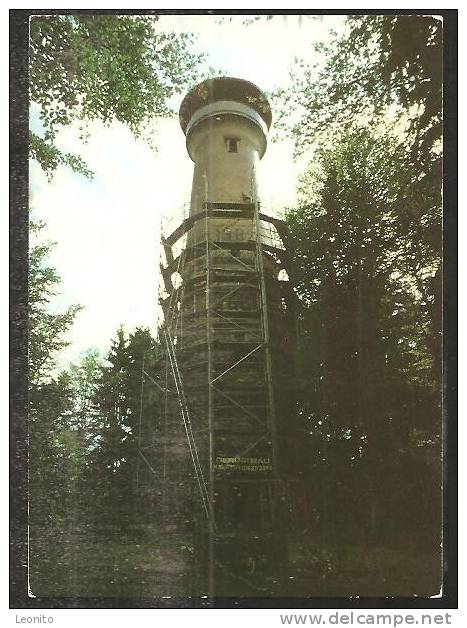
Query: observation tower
x=225, y=438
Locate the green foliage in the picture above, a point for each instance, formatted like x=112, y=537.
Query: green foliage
x=50, y=157
x=367, y=236
x=46, y=329
x=372, y=222
x=85, y=419
x=55, y=455
x=113, y=463
x=366, y=240
x=365, y=272
x=383, y=61
x=91, y=67
x=83, y=422
x=52, y=455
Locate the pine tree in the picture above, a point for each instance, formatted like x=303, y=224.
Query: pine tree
x=114, y=462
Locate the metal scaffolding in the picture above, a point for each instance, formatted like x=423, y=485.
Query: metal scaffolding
x=212, y=445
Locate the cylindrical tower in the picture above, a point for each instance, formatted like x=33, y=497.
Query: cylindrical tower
x=227, y=335
x=225, y=121
x=224, y=272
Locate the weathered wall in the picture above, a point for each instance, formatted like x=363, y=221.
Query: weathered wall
x=230, y=176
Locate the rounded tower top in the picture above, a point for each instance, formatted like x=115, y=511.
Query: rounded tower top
x=225, y=95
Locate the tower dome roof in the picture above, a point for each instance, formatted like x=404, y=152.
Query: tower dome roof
x=224, y=88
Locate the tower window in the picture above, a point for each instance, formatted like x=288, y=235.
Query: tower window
x=232, y=144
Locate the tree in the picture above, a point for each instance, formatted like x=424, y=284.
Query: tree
x=52, y=454
x=114, y=462
x=385, y=72
x=382, y=63
x=46, y=329
x=85, y=380
x=367, y=236
x=102, y=67
x=367, y=390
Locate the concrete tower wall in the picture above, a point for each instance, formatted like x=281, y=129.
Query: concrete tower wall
x=226, y=148
x=221, y=175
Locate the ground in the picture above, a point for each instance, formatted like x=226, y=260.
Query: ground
x=145, y=562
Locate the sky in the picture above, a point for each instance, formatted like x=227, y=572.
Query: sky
x=107, y=230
